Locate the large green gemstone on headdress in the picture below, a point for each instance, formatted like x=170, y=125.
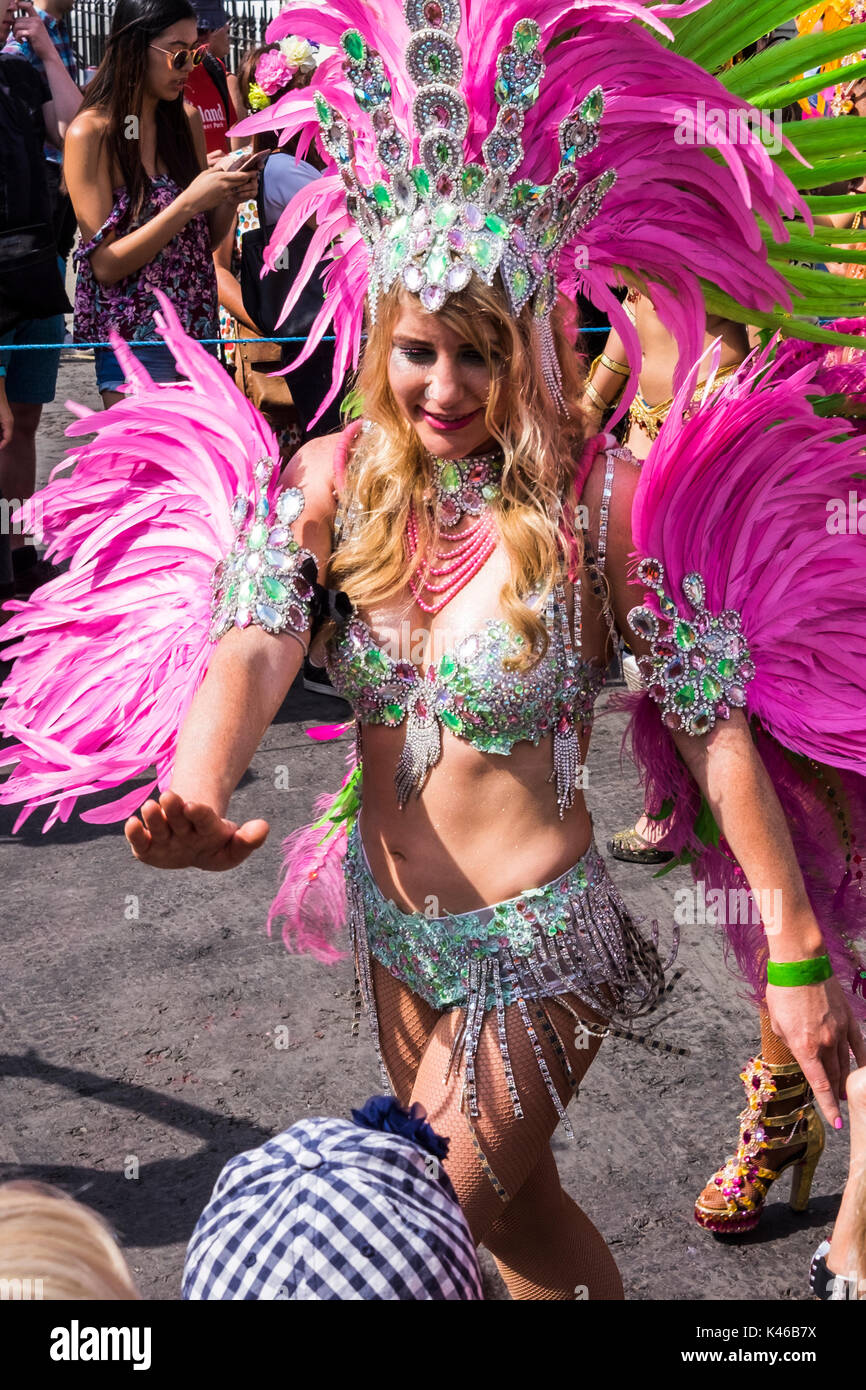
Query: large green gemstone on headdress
x=383, y=196
x=353, y=45
x=497, y=225
x=525, y=192
x=592, y=106
x=471, y=179
x=519, y=282
x=436, y=266
x=445, y=215
x=526, y=35
x=482, y=252
x=323, y=110
x=421, y=180
x=685, y=696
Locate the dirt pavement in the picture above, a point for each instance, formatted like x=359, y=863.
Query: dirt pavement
x=139, y=1015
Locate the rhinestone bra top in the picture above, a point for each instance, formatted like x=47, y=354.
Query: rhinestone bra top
x=469, y=690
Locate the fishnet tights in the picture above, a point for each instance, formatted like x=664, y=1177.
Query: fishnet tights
x=545, y=1247
x=773, y=1050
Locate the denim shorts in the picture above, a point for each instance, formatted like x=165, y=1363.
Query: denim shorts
x=157, y=360
x=31, y=377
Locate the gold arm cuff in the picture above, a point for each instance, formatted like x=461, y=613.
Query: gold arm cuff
x=620, y=368
x=598, y=401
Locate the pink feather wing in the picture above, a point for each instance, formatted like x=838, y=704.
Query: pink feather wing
x=768, y=470
x=107, y=657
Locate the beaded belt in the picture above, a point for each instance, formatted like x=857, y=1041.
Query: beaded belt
x=572, y=936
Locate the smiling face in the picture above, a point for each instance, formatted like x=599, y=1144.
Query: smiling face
x=440, y=381
x=162, y=82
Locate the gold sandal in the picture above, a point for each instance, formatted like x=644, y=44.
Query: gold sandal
x=733, y=1200
x=631, y=847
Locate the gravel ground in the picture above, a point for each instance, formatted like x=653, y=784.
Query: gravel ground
x=138, y=1018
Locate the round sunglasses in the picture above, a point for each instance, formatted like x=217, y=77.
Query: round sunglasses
x=178, y=58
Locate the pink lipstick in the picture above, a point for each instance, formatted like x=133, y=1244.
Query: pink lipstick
x=437, y=423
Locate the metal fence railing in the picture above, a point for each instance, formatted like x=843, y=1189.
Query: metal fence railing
x=90, y=20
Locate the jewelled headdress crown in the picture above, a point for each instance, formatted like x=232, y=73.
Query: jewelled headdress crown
x=435, y=222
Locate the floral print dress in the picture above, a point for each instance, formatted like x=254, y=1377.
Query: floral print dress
x=183, y=270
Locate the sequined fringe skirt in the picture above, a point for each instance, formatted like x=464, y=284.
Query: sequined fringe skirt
x=574, y=936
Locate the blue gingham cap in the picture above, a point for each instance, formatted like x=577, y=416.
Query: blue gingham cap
x=331, y=1210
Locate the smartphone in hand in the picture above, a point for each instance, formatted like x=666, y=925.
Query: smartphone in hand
x=246, y=162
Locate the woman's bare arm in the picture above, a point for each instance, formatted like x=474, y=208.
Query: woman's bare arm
x=248, y=678
x=228, y=285
x=88, y=176
x=814, y=1020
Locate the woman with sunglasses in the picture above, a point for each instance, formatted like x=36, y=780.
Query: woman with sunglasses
x=149, y=209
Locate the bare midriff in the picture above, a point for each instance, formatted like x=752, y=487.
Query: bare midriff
x=484, y=828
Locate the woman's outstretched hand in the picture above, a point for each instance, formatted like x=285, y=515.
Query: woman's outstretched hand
x=178, y=834
x=818, y=1026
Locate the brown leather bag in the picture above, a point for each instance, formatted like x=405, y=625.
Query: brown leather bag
x=254, y=361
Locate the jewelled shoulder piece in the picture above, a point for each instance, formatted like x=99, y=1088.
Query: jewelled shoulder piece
x=700, y=665
x=436, y=221
x=267, y=578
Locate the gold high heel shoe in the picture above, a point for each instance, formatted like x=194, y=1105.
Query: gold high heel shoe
x=733, y=1200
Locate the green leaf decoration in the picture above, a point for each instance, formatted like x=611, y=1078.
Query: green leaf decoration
x=806, y=248
x=835, y=202
x=788, y=92
x=343, y=808
x=718, y=32
x=791, y=326
x=841, y=135
x=705, y=825
x=352, y=407
x=790, y=59
x=822, y=172
x=682, y=862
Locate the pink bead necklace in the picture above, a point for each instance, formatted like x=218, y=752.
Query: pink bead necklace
x=451, y=569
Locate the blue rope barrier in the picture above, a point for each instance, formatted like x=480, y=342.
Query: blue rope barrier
x=158, y=342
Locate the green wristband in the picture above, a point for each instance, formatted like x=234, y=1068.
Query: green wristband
x=799, y=972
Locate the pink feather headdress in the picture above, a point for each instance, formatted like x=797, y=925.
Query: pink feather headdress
x=533, y=139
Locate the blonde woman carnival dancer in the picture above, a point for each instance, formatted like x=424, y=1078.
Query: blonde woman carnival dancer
x=468, y=505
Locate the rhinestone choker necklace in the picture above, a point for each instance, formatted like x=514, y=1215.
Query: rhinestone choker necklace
x=464, y=486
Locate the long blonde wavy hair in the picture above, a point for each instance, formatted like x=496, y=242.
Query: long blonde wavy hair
x=390, y=471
